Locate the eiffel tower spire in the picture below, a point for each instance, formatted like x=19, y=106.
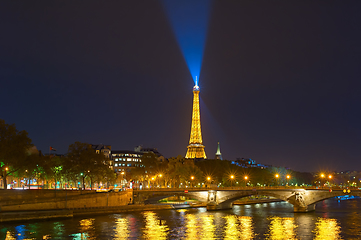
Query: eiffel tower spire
x=196, y=147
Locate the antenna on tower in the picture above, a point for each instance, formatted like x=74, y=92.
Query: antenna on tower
x=196, y=81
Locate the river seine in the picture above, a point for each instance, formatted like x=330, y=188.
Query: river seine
x=332, y=219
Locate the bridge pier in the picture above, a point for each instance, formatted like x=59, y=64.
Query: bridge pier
x=213, y=202
x=216, y=206
x=308, y=208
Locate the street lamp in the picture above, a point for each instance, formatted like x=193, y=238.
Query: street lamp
x=329, y=179
x=288, y=177
x=245, y=180
x=160, y=181
x=322, y=176
x=277, y=177
x=209, y=179
x=192, y=178
x=232, y=177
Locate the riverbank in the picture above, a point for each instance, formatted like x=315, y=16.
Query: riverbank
x=69, y=213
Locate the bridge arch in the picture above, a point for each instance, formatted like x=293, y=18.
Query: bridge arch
x=303, y=200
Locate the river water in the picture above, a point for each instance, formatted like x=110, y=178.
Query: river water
x=332, y=219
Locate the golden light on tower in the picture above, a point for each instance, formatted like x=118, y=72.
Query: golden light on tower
x=195, y=148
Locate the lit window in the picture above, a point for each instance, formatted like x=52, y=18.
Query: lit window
x=116, y=164
x=129, y=159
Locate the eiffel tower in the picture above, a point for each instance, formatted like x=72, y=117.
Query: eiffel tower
x=196, y=147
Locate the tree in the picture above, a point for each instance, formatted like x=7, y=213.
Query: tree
x=14, y=146
x=84, y=162
x=180, y=171
x=149, y=166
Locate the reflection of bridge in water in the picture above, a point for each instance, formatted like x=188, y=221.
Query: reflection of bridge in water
x=302, y=199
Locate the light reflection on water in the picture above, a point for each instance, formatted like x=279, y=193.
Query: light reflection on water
x=122, y=228
x=86, y=230
x=281, y=228
x=238, y=227
x=261, y=222
x=155, y=228
x=327, y=228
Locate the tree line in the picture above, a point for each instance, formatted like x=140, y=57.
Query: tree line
x=81, y=163
x=181, y=172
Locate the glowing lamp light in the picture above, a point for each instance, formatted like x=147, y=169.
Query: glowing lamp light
x=329, y=176
x=232, y=176
x=245, y=177
x=322, y=175
x=196, y=87
x=208, y=178
x=192, y=177
x=277, y=175
x=288, y=176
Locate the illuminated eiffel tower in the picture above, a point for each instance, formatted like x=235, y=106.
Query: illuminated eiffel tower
x=196, y=147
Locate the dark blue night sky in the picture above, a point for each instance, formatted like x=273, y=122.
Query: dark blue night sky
x=280, y=82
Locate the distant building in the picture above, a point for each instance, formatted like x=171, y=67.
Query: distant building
x=125, y=160
x=106, y=150
x=218, y=153
x=249, y=163
x=140, y=149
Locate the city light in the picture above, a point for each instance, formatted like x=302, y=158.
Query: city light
x=277, y=175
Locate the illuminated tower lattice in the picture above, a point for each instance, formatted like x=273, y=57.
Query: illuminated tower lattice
x=196, y=147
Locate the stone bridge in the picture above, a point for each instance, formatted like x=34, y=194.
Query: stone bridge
x=303, y=200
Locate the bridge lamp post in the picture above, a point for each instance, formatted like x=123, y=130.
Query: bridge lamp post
x=288, y=177
x=209, y=180
x=277, y=176
x=329, y=179
x=232, y=177
x=322, y=177
x=160, y=179
x=245, y=180
x=192, y=178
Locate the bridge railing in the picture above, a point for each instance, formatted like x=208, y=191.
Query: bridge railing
x=243, y=188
